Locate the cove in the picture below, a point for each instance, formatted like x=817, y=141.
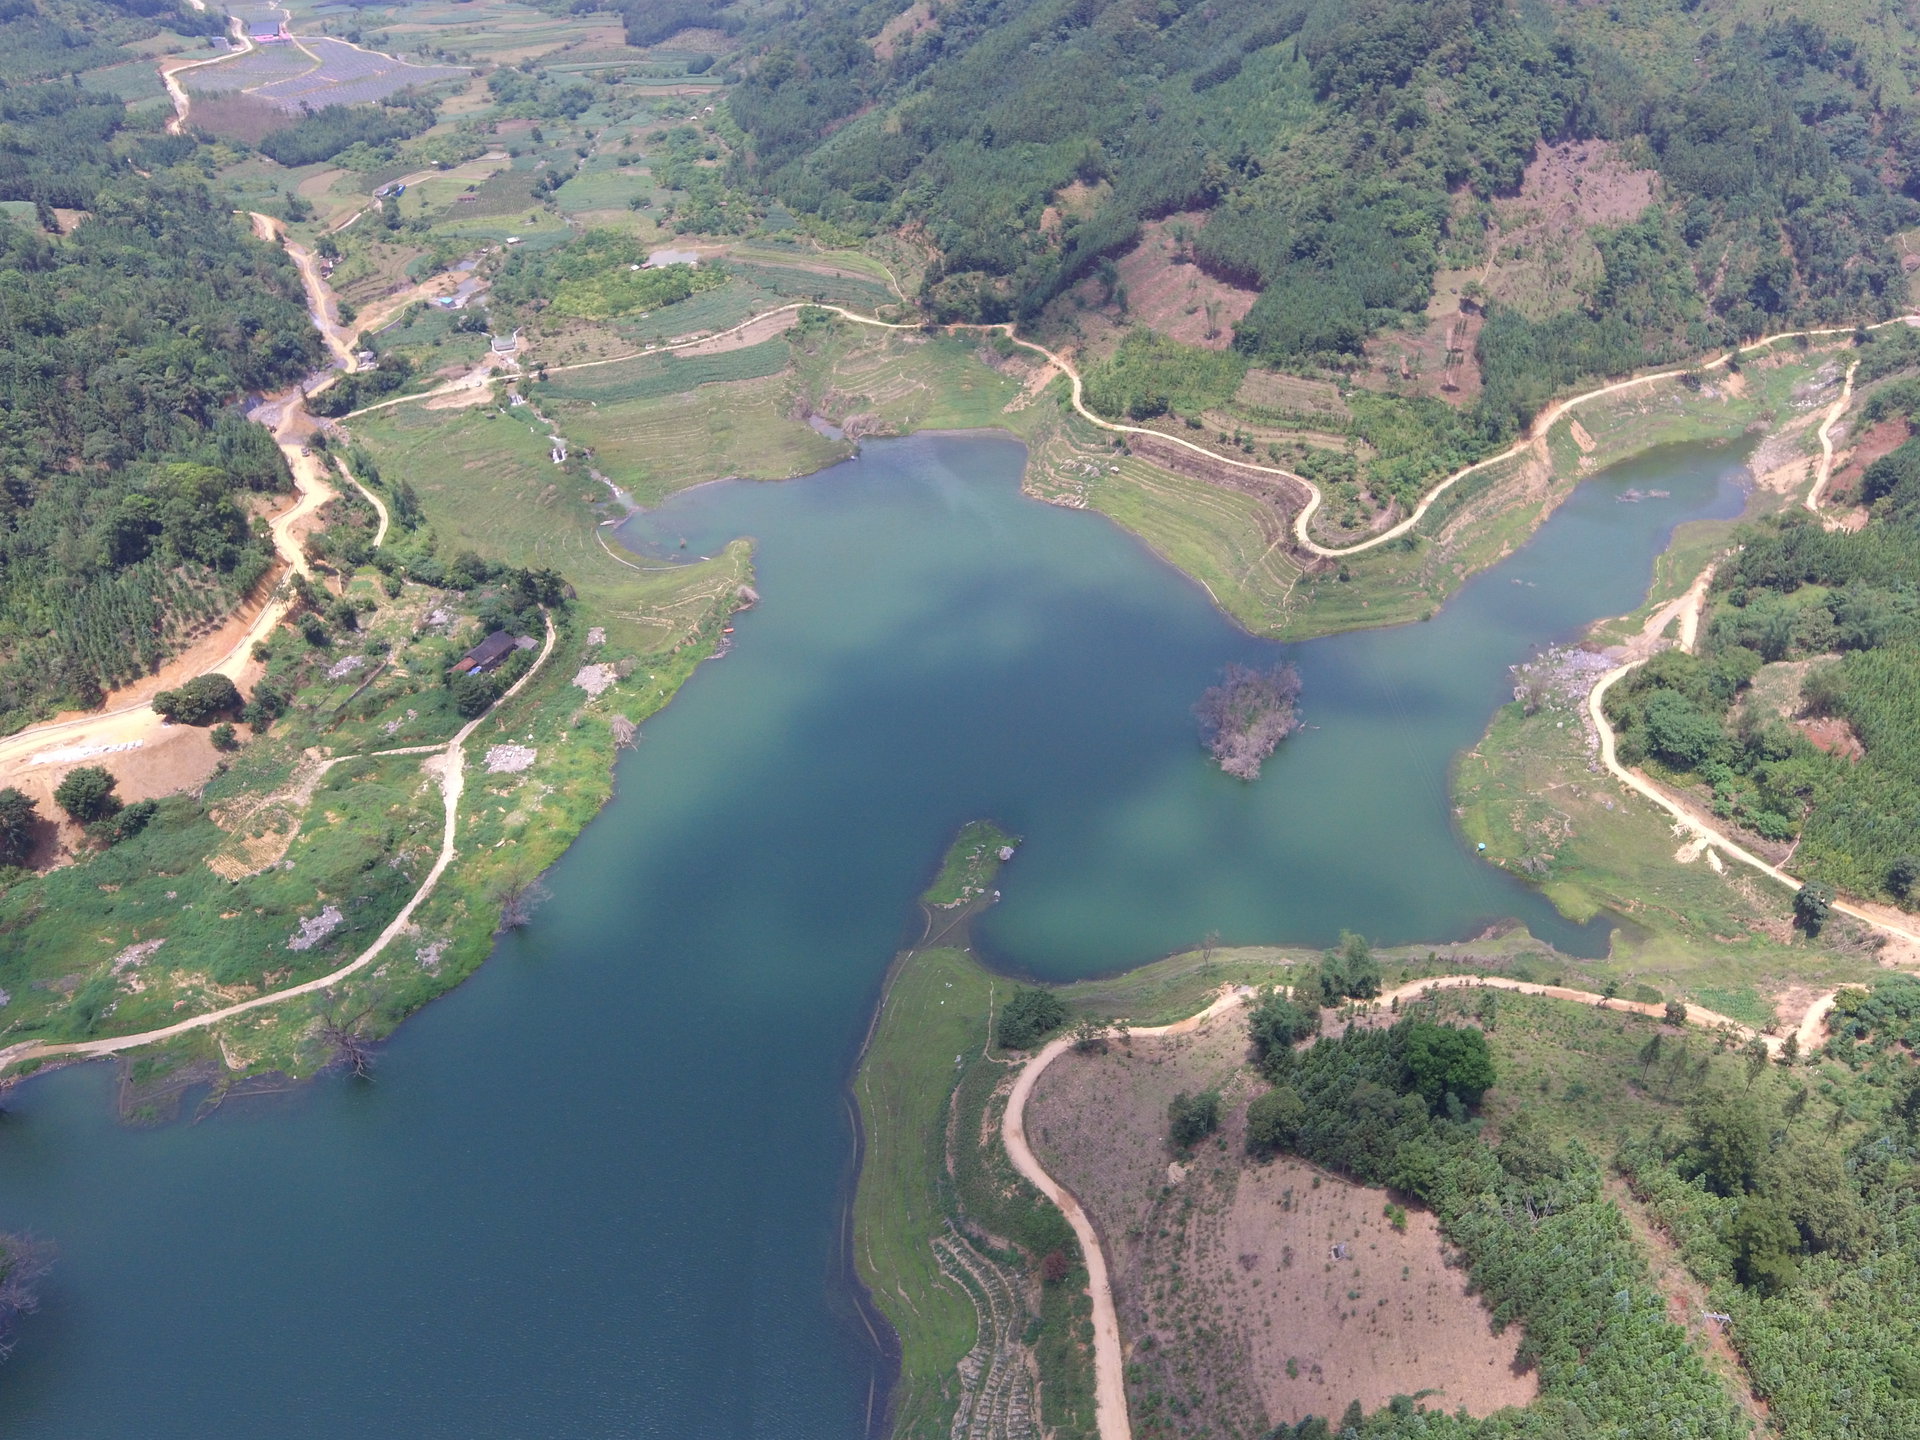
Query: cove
x=598, y=1190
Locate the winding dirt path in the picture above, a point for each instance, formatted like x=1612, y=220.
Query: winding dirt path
x=131, y=726
x=1825, y=471
x=320, y=301
x=170, y=72
x=451, y=773
x=1534, y=438
x=379, y=506
x=1109, y=1372
x=1109, y=1361
x=1907, y=933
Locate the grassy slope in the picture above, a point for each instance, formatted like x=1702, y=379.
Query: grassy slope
x=1525, y=792
x=935, y=1008
x=971, y=863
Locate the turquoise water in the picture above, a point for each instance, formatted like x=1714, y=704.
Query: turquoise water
x=598, y=1191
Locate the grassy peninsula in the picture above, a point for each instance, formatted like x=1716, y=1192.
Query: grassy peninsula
x=953, y=1246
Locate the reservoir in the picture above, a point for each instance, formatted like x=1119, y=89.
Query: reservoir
x=597, y=1191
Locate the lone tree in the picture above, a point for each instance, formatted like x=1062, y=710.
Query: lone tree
x=17, y=817
x=1813, y=906
x=347, y=1045
x=1246, y=716
x=87, y=794
x=1191, y=1118
x=200, y=699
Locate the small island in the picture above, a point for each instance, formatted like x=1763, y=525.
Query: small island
x=1244, y=718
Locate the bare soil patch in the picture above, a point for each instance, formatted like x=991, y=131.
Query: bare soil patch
x=1833, y=735
x=1253, y=1294
x=1165, y=291
x=1437, y=359
x=899, y=32
x=238, y=117
x=1880, y=439
x=1171, y=294
x=1540, y=258
x=1272, y=391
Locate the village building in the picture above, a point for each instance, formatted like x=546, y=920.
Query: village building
x=485, y=656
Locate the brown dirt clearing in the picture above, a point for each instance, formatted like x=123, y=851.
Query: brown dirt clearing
x=1880, y=439
x=1252, y=1249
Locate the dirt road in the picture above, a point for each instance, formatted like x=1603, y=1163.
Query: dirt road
x=130, y=727
x=170, y=72
x=1825, y=471
x=320, y=303
x=1906, y=933
x=1110, y=1390
x=755, y=326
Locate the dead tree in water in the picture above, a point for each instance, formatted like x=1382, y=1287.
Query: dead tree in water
x=1246, y=715
x=350, y=1048
x=518, y=896
x=24, y=1262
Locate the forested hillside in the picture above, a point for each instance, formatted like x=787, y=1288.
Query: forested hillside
x=126, y=340
x=1802, y=713
x=1344, y=155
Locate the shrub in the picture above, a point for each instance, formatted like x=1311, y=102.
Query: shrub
x=1031, y=1014
x=1191, y=1118
x=473, y=693
x=1277, y=1024
x=224, y=737
x=123, y=824
x=86, y=794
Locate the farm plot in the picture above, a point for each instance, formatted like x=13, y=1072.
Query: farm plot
x=650, y=377
x=348, y=75
x=263, y=65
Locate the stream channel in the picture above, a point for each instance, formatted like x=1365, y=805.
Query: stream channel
x=598, y=1190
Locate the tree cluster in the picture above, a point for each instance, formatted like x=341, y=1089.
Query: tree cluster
x=122, y=348
x=1030, y=1015
x=199, y=700
x=1244, y=718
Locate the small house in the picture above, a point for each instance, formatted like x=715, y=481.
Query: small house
x=485, y=656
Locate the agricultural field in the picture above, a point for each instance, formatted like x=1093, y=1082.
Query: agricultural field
x=495, y=32
x=263, y=65
x=314, y=73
